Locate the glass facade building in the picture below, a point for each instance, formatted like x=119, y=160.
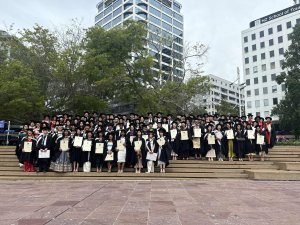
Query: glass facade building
x=165, y=29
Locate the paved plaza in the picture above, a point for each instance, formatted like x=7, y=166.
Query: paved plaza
x=149, y=202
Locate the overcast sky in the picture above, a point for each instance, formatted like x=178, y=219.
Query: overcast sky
x=217, y=24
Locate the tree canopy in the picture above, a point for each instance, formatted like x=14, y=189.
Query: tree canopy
x=72, y=70
x=288, y=109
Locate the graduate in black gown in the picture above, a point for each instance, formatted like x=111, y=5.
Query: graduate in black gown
x=28, y=157
x=164, y=148
x=239, y=136
x=99, y=157
x=250, y=142
x=44, y=143
x=139, y=146
x=76, y=151
x=184, y=142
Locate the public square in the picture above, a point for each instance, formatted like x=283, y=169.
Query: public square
x=150, y=202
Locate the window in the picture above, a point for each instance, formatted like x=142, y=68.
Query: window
x=253, y=37
x=266, y=102
x=245, y=39
x=271, y=42
x=279, y=28
x=248, y=82
x=297, y=21
x=280, y=39
x=256, y=92
x=246, y=49
x=289, y=25
x=249, y=105
x=255, y=69
x=261, y=34
x=248, y=93
x=270, y=31
x=253, y=47
x=263, y=56
x=265, y=90
x=275, y=101
x=272, y=53
x=289, y=36
x=264, y=79
x=274, y=89
x=283, y=87
x=257, y=103
x=256, y=80
x=254, y=58
x=272, y=65
x=262, y=44
x=246, y=60
x=257, y=113
x=281, y=51
x=281, y=63
x=247, y=71
x=273, y=77
x=267, y=113
x=263, y=67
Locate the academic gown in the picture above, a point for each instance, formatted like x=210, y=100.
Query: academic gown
x=239, y=136
x=76, y=152
x=184, y=145
x=44, y=142
x=175, y=143
x=143, y=152
x=164, y=152
x=29, y=156
x=99, y=158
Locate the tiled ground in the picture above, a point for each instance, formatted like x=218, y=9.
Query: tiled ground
x=150, y=202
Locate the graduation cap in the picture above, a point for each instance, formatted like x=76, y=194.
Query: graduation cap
x=110, y=133
x=169, y=115
x=174, y=122
x=162, y=130
x=268, y=117
x=257, y=126
x=249, y=114
x=209, y=125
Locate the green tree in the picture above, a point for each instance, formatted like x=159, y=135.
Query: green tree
x=226, y=108
x=288, y=109
x=20, y=95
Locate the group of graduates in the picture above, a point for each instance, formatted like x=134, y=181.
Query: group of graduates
x=65, y=143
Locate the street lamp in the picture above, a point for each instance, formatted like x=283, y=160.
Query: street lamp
x=240, y=87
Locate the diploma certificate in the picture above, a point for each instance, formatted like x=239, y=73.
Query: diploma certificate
x=120, y=145
x=197, y=132
x=64, y=144
x=44, y=154
x=250, y=134
x=173, y=133
x=99, y=148
x=151, y=157
x=260, y=139
x=87, y=146
x=211, y=139
x=27, y=146
x=229, y=134
x=78, y=141
x=184, y=135
x=166, y=127
x=109, y=157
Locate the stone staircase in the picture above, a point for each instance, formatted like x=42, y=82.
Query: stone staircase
x=283, y=163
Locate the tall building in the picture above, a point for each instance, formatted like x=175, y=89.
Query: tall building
x=4, y=48
x=165, y=29
x=221, y=89
x=264, y=44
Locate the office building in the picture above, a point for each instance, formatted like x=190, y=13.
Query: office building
x=221, y=89
x=264, y=44
x=164, y=21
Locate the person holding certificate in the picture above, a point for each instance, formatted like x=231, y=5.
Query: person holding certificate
x=152, y=149
x=130, y=154
x=210, y=139
x=88, y=147
x=121, y=151
x=250, y=142
x=185, y=141
x=100, y=145
x=76, y=151
x=62, y=149
x=229, y=140
x=164, y=148
x=44, y=146
x=270, y=132
x=28, y=155
x=110, y=150
x=219, y=142
x=174, y=141
x=197, y=134
x=139, y=146
x=260, y=140
x=239, y=135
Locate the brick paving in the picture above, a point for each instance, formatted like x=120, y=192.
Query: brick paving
x=149, y=202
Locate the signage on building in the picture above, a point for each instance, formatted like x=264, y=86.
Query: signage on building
x=276, y=15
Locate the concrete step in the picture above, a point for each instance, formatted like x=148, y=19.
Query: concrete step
x=280, y=159
x=284, y=153
x=274, y=175
x=291, y=166
x=94, y=175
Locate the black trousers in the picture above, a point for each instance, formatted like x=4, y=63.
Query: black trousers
x=43, y=165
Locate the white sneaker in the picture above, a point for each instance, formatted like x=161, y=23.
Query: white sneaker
x=21, y=165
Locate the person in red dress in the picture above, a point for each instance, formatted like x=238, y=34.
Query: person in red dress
x=28, y=156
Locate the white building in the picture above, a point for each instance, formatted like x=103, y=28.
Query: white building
x=221, y=89
x=264, y=44
x=164, y=19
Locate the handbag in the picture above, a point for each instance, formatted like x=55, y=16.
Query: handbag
x=87, y=165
